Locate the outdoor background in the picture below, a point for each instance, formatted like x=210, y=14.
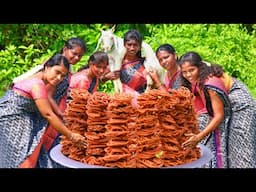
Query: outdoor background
x=23, y=46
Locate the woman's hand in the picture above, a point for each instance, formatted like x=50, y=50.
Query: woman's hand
x=112, y=75
x=79, y=139
x=153, y=74
x=192, y=141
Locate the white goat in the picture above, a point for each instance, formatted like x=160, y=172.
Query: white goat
x=114, y=46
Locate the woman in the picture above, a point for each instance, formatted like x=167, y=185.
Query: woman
x=88, y=76
x=73, y=50
x=25, y=111
x=242, y=132
x=132, y=73
x=168, y=59
x=212, y=105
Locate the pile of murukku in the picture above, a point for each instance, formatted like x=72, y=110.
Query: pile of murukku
x=147, y=131
x=118, y=132
x=96, y=122
x=75, y=118
x=119, y=135
x=177, y=118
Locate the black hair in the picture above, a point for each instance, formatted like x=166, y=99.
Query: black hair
x=73, y=42
x=133, y=34
x=57, y=59
x=96, y=58
x=168, y=48
x=205, y=70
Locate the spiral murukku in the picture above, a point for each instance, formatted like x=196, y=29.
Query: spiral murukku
x=119, y=135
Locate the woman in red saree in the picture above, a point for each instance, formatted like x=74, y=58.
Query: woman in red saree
x=133, y=73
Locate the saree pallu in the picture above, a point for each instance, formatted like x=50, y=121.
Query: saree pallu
x=93, y=85
x=132, y=75
x=242, y=134
x=174, y=82
x=21, y=129
x=217, y=141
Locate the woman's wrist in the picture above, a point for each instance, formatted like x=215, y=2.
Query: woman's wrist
x=103, y=79
x=200, y=136
x=71, y=136
x=159, y=84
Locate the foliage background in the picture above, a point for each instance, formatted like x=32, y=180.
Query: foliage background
x=23, y=46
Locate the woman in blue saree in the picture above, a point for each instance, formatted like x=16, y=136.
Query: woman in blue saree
x=212, y=105
x=25, y=111
x=238, y=127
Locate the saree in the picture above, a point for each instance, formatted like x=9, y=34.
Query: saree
x=174, y=82
x=131, y=75
x=217, y=141
x=242, y=134
x=40, y=156
x=133, y=80
x=21, y=128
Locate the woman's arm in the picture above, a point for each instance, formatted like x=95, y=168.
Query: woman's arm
x=46, y=111
x=108, y=75
x=154, y=76
x=53, y=103
x=218, y=110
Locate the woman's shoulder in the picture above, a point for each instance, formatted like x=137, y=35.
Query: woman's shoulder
x=213, y=80
x=216, y=82
x=79, y=75
x=30, y=81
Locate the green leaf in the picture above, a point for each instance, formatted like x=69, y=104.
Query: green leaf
x=159, y=154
